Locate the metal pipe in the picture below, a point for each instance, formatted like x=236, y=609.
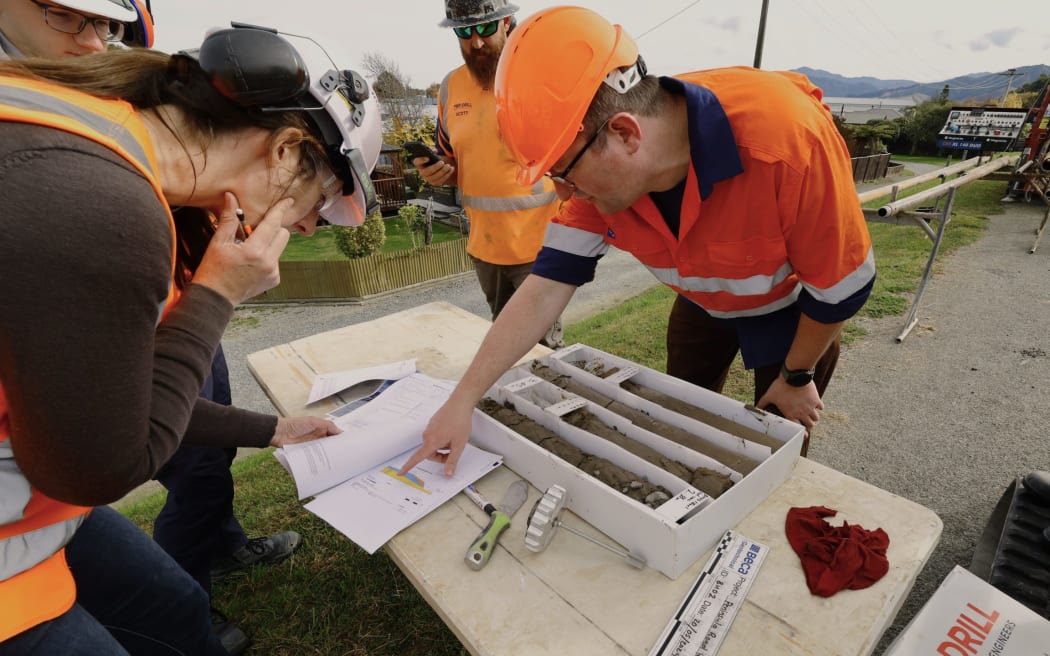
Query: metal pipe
x=917, y=180
x=1024, y=167
x=1046, y=163
x=934, y=192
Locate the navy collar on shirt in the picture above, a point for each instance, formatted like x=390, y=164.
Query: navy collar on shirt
x=714, y=151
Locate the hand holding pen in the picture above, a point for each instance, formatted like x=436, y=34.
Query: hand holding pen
x=243, y=261
x=242, y=230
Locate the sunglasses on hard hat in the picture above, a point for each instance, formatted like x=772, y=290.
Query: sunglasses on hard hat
x=484, y=30
x=70, y=22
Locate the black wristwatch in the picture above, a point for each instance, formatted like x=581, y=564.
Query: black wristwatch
x=797, y=377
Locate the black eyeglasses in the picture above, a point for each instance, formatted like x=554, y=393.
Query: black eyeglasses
x=562, y=178
x=484, y=30
x=69, y=22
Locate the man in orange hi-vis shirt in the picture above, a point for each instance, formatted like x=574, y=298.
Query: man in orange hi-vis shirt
x=732, y=186
x=507, y=218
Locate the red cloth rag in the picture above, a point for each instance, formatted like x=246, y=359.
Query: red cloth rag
x=836, y=557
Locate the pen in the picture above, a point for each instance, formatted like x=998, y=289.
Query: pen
x=242, y=229
x=480, y=501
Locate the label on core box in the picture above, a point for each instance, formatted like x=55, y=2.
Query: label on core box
x=708, y=610
x=683, y=505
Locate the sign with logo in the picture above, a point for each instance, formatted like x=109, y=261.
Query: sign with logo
x=981, y=128
x=960, y=143
x=967, y=616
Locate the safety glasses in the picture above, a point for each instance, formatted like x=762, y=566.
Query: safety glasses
x=561, y=178
x=69, y=22
x=484, y=30
x=331, y=190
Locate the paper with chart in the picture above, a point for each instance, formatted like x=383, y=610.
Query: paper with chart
x=353, y=475
x=373, y=507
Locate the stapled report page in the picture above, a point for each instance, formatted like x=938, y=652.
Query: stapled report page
x=353, y=475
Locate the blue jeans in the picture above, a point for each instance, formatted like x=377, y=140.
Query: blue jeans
x=132, y=598
x=197, y=523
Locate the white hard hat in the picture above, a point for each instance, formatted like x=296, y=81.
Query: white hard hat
x=257, y=67
x=118, y=10
x=354, y=111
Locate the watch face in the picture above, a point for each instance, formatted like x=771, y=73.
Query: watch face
x=798, y=377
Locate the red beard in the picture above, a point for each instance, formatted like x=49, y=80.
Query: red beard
x=482, y=66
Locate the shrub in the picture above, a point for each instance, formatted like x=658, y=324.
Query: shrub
x=416, y=223
x=363, y=240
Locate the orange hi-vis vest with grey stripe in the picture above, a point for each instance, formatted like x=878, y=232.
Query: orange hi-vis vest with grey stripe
x=35, y=582
x=507, y=220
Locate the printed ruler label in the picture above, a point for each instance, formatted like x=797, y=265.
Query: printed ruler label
x=708, y=610
x=566, y=406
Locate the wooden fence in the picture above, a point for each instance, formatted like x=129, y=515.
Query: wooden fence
x=872, y=167
x=367, y=276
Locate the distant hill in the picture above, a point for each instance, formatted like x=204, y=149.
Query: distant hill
x=852, y=87
x=973, y=85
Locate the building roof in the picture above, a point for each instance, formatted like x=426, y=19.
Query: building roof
x=860, y=117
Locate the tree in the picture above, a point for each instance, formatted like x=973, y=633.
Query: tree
x=401, y=103
x=433, y=89
x=847, y=134
x=923, y=122
x=1035, y=86
x=871, y=135
x=363, y=240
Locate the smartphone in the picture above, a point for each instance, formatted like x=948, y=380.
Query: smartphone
x=420, y=149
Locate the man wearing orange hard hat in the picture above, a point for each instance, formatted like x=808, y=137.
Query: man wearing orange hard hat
x=732, y=186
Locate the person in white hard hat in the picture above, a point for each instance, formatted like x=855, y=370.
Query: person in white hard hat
x=112, y=304
x=77, y=27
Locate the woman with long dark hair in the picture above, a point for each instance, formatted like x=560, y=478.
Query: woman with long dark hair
x=111, y=304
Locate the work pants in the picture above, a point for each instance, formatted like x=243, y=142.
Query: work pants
x=499, y=282
x=132, y=598
x=700, y=350
x=197, y=523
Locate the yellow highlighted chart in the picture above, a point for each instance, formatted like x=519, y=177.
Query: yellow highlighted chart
x=408, y=479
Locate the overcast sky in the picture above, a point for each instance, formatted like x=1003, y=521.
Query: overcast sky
x=922, y=40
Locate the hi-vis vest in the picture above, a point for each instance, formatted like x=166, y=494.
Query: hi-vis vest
x=790, y=220
x=507, y=221
x=35, y=582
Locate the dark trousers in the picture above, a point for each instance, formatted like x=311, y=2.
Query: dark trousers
x=132, y=598
x=700, y=350
x=499, y=282
x=197, y=523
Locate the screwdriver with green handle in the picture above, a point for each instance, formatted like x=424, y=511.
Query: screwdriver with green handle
x=499, y=520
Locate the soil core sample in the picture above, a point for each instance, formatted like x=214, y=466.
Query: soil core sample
x=731, y=459
x=627, y=483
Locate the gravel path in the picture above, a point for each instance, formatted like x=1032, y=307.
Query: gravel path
x=951, y=415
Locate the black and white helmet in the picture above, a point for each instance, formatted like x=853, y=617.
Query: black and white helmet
x=258, y=67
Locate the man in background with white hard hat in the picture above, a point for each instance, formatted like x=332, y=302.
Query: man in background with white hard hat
x=507, y=219
x=61, y=28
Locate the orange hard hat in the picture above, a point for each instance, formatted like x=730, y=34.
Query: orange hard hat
x=551, y=68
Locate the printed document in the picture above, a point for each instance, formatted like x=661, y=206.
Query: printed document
x=353, y=475
x=326, y=385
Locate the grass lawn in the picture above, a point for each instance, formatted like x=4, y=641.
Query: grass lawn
x=333, y=599
x=321, y=245
x=923, y=159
